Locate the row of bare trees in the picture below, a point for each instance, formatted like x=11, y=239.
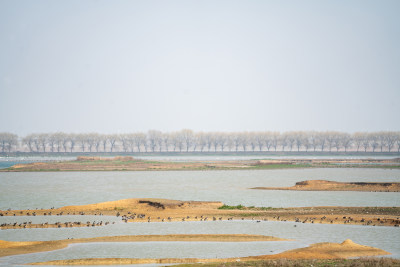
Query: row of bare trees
x=186, y=140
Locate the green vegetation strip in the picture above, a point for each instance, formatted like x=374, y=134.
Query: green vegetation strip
x=241, y=207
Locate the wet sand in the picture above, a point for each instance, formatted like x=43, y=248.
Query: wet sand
x=8, y=248
x=347, y=249
x=164, y=210
x=323, y=185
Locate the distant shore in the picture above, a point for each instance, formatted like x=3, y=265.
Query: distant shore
x=128, y=163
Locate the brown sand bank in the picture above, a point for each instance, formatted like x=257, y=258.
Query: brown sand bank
x=131, y=164
x=163, y=210
x=8, y=248
x=323, y=185
x=346, y=249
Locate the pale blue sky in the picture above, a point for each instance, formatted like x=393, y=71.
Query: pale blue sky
x=127, y=66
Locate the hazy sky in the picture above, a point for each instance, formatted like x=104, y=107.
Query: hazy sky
x=127, y=66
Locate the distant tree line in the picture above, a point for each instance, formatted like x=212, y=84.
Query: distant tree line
x=188, y=141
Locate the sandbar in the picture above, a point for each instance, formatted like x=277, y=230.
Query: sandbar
x=346, y=249
x=165, y=210
x=8, y=248
x=323, y=185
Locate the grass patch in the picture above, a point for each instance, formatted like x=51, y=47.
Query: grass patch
x=226, y=207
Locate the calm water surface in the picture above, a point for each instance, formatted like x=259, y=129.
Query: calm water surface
x=387, y=238
x=30, y=190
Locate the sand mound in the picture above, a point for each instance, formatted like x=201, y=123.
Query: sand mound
x=145, y=204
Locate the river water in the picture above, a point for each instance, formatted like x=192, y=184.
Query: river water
x=32, y=190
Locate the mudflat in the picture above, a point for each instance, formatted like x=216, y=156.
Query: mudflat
x=323, y=185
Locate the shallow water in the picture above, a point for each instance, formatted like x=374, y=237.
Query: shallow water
x=387, y=238
x=30, y=190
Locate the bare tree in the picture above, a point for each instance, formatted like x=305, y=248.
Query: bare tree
x=374, y=140
x=71, y=141
x=166, y=138
x=283, y=141
x=96, y=141
x=160, y=141
x=8, y=141
x=366, y=141
x=276, y=137
x=236, y=140
x=51, y=142
x=259, y=139
x=397, y=138
x=57, y=139
x=209, y=140
x=268, y=141
x=29, y=141
x=222, y=140
x=229, y=141
x=124, y=139
x=390, y=138
x=330, y=139
x=201, y=140
x=381, y=140
x=215, y=141
x=337, y=140
x=244, y=140
x=358, y=138
x=112, y=139
x=64, y=141
x=153, y=138
x=81, y=140
x=346, y=141
x=291, y=139
x=313, y=139
x=187, y=137
x=139, y=139
x=322, y=140
x=299, y=139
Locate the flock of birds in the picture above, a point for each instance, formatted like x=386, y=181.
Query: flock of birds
x=142, y=217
